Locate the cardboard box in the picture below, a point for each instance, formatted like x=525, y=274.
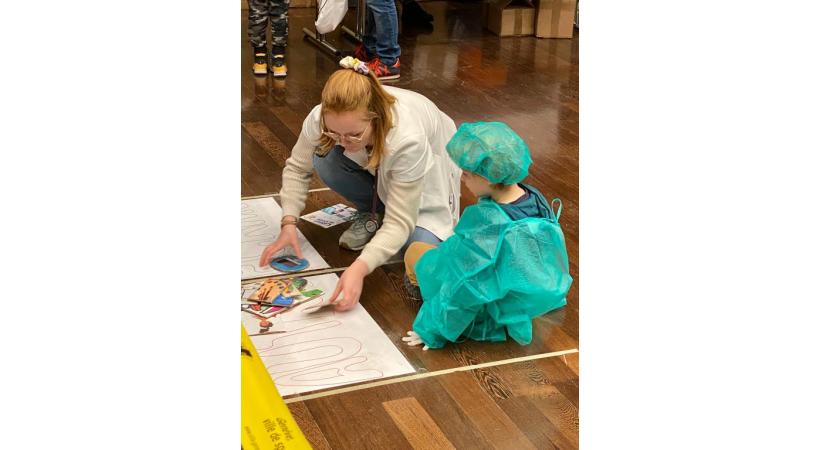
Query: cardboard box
x=510, y=17
x=555, y=18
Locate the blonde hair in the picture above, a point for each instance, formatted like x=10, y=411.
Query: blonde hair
x=347, y=90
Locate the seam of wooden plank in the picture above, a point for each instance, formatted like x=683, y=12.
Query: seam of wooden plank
x=418, y=376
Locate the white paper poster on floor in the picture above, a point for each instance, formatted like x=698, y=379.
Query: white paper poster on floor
x=261, y=219
x=321, y=348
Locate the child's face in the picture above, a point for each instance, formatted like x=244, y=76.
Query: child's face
x=477, y=184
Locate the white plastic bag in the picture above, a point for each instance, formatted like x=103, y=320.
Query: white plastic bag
x=331, y=13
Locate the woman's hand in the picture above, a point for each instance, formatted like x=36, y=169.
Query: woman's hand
x=287, y=238
x=350, y=286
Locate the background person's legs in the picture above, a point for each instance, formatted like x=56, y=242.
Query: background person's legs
x=369, y=37
x=258, y=23
x=383, y=19
x=279, y=35
x=279, y=25
x=257, y=33
x=385, y=22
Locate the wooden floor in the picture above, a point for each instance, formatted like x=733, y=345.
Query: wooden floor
x=530, y=84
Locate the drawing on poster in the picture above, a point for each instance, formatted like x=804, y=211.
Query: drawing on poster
x=316, y=348
x=260, y=226
x=308, y=347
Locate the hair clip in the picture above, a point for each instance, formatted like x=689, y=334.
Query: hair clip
x=349, y=62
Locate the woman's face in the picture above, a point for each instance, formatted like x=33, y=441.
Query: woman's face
x=352, y=129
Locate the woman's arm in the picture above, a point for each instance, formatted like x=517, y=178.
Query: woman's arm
x=410, y=163
x=406, y=182
x=295, y=184
x=299, y=168
x=399, y=219
x=401, y=213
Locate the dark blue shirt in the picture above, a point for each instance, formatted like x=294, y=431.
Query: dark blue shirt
x=531, y=204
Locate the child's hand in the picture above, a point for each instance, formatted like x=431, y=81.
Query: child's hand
x=414, y=339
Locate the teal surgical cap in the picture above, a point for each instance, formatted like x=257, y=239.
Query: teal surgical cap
x=492, y=150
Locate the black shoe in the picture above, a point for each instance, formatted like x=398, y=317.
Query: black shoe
x=278, y=66
x=412, y=12
x=413, y=291
x=260, y=61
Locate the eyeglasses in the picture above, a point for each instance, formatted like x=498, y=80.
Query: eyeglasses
x=357, y=139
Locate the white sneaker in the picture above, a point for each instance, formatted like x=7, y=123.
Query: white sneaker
x=361, y=232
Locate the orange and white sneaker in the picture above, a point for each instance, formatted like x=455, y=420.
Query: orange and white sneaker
x=278, y=66
x=260, y=61
x=383, y=71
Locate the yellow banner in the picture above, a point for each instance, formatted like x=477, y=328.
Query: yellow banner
x=266, y=420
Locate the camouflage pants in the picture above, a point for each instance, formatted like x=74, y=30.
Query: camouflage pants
x=259, y=12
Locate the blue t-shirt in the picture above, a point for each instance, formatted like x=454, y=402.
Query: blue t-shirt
x=527, y=205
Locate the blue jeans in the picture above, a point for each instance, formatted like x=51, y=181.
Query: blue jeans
x=381, y=31
x=422, y=235
x=346, y=178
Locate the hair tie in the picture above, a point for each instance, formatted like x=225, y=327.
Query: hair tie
x=349, y=62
